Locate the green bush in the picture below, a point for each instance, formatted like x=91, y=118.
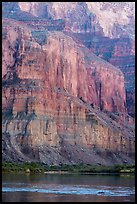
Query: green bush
x=77, y=168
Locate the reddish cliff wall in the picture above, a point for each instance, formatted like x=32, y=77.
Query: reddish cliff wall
x=46, y=116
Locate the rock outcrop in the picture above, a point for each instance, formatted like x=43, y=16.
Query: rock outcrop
x=120, y=52
x=58, y=104
x=108, y=29
x=112, y=19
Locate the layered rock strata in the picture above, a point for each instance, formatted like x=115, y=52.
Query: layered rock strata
x=58, y=105
x=120, y=52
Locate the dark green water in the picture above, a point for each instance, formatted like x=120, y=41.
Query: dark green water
x=67, y=188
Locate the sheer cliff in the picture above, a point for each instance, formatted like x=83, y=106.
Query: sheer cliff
x=107, y=28
x=112, y=19
x=57, y=102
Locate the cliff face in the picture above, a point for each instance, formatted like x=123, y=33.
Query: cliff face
x=120, y=52
x=112, y=19
x=117, y=19
x=21, y=54
x=52, y=96
x=108, y=29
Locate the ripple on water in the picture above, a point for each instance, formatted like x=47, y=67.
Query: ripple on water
x=77, y=190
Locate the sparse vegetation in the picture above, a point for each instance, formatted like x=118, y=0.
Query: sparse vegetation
x=78, y=168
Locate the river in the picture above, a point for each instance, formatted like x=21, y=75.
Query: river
x=67, y=188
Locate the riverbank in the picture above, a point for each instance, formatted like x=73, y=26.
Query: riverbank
x=78, y=168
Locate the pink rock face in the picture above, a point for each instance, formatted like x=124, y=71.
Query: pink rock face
x=119, y=52
x=47, y=92
x=113, y=19
x=65, y=66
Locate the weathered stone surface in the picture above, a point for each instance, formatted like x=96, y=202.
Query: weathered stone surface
x=119, y=52
x=113, y=19
x=47, y=92
x=108, y=29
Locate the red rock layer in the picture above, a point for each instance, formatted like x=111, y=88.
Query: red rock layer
x=46, y=95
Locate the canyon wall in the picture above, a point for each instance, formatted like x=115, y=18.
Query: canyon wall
x=111, y=19
x=120, y=52
x=57, y=102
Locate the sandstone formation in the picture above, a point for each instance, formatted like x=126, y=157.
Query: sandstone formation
x=107, y=28
x=112, y=19
x=120, y=52
x=58, y=105
x=117, y=19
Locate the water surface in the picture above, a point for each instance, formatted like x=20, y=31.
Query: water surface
x=68, y=188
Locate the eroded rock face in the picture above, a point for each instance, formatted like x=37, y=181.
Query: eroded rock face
x=120, y=52
x=113, y=19
x=108, y=28
x=116, y=18
x=52, y=96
